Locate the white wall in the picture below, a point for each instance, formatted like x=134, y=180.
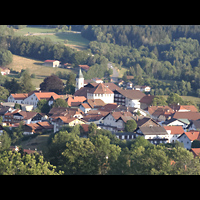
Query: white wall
x=132, y=103
x=185, y=140
x=107, y=98
x=31, y=100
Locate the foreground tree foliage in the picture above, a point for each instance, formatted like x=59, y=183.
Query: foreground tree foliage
x=14, y=163
x=102, y=153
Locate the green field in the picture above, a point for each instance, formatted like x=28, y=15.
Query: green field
x=74, y=39
x=195, y=100
x=35, y=67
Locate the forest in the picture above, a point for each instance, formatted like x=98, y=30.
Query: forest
x=151, y=53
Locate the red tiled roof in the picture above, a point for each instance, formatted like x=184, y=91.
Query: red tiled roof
x=101, y=89
x=175, y=130
x=50, y=61
x=195, y=151
x=19, y=96
x=75, y=99
x=85, y=105
x=192, y=135
x=85, y=67
x=46, y=95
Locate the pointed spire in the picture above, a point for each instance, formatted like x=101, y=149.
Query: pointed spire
x=80, y=74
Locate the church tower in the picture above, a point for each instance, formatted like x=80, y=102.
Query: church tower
x=79, y=80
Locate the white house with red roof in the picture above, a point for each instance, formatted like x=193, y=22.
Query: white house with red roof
x=32, y=98
x=17, y=98
x=51, y=63
x=174, y=132
x=101, y=92
x=188, y=137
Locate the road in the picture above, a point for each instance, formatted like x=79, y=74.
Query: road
x=115, y=73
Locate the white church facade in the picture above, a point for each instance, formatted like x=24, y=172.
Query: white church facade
x=98, y=91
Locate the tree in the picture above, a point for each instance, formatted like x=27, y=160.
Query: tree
x=60, y=103
x=79, y=155
x=130, y=126
x=159, y=101
x=43, y=106
x=15, y=163
x=52, y=84
x=5, y=141
x=70, y=83
x=6, y=57
x=174, y=99
x=25, y=81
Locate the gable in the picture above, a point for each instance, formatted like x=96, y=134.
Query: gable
x=146, y=122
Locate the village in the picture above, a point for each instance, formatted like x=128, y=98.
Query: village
x=110, y=106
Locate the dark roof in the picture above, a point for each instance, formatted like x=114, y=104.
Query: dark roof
x=147, y=99
x=144, y=120
x=131, y=94
x=187, y=115
x=153, y=130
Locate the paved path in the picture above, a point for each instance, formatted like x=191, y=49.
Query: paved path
x=115, y=73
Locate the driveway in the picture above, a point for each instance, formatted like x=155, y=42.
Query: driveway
x=115, y=73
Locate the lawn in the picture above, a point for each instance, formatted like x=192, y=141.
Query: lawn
x=39, y=142
x=35, y=67
x=74, y=39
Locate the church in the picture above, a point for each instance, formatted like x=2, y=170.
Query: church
x=94, y=90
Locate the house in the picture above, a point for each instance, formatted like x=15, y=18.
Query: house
x=17, y=98
x=125, y=135
x=146, y=101
x=186, y=115
x=184, y=108
x=194, y=125
x=129, y=98
x=155, y=135
x=60, y=121
x=145, y=122
x=94, y=90
x=129, y=85
x=91, y=104
x=177, y=122
x=38, y=127
x=56, y=112
x=94, y=116
x=97, y=80
x=142, y=88
x=195, y=151
x=18, y=115
x=51, y=63
x=115, y=121
x=33, y=98
x=85, y=107
x=188, y=137
x=160, y=113
x=101, y=92
x=4, y=71
x=84, y=67
x=174, y=132
x=73, y=99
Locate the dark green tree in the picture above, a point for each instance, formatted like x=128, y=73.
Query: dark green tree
x=5, y=57
x=52, y=84
x=60, y=103
x=130, y=125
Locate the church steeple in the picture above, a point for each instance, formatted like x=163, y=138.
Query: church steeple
x=80, y=74
x=79, y=80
